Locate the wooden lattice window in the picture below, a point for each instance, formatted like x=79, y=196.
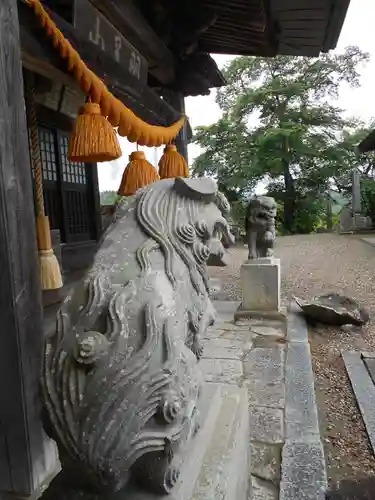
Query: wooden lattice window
x=72, y=172
x=48, y=154
x=67, y=188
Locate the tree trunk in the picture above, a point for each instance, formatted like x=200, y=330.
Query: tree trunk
x=329, y=219
x=289, y=200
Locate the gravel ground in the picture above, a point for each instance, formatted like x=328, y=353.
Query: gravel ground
x=310, y=265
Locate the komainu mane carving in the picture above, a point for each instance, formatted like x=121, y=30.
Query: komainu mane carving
x=121, y=381
x=260, y=226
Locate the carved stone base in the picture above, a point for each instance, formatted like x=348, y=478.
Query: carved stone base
x=260, y=282
x=216, y=466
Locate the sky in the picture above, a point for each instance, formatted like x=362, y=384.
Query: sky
x=358, y=30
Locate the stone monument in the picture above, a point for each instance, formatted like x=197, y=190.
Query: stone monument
x=352, y=217
x=121, y=382
x=356, y=192
x=260, y=275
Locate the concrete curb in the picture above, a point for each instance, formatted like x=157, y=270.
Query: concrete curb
x=303, y=469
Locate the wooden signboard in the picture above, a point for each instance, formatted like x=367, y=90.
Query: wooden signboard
x=91, y=24
x=72, y=100
x=51, y=98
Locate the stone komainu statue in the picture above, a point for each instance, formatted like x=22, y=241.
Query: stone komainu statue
x=121, y=380
x=260, y=226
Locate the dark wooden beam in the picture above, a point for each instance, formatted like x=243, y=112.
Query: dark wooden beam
x=140, y=98
x=368, y=143
x=129, y=21
x=197, y=74
x=23, y=461
x=176, y=99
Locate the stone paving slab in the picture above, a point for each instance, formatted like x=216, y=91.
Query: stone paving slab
x=367, y=354
x=370, y=241
x=275, y=323
x=301, y=414
x=296, y=326
x=224, y=371
x=364, y=390
x=271, y=359
x=222, y=348
x=265, y=363
x=303, y=472
x=370, y=365
x=265, y=461
x=263, y=490
x=242, y=313
x=231, y=327
x=244, y=335
x=268, y=394
x=264, y=376
x=267, y=424
x=269, y=331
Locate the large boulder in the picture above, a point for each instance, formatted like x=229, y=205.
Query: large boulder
x=334, y=309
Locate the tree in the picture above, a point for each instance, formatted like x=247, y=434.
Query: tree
x=345, y=155
x=279, y=126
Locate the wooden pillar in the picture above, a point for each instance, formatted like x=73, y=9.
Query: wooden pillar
x=23, y=445
x=177, y=101
x=98, y=226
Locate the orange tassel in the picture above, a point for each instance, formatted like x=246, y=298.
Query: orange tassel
x=138, y=173
x=93, y=138
x=172, y=164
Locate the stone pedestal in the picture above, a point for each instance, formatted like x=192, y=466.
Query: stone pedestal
x=260, y=282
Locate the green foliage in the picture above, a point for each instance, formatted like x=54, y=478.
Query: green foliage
x=335, y=221
x=109, y=198
x=368, y=197
x=238, y=211
x=345, y=155
x=308, y=216
x=279, y=127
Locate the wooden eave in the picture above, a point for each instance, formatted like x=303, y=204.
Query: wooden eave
x=287, y=27
x=255, y=27
x=368, y=143
x=242, y=27
x=197, y=75
x=308, y=27
x=39, y=55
